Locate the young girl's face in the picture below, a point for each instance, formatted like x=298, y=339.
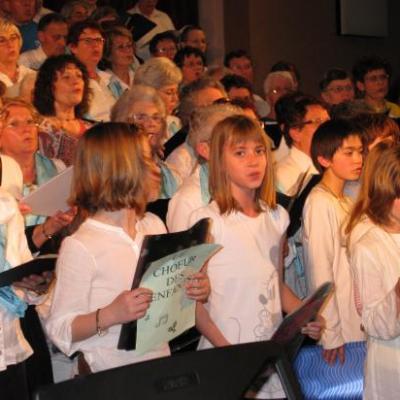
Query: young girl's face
x=245, y=164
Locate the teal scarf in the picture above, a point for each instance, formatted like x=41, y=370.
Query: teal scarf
x=205, y=191
x=168, y=182
x=8, y=299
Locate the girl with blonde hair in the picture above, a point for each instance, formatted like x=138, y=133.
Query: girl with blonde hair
x=247, y=292
x=374, y=252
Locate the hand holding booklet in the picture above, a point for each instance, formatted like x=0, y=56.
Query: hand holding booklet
x=52, y=196
x=164, y=251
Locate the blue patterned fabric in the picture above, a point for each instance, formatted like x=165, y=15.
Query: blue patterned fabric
x=318, y=380
x=8, y=299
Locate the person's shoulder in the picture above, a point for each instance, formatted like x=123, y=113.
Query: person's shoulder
x=209, y=211
x=320, y=196
x=150, y=224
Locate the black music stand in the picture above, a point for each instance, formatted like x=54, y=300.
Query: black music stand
x=215, y=374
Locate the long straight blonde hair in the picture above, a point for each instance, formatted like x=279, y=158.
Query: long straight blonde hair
x=228, y=132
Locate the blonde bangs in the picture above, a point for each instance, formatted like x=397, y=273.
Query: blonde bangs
x=230, y=132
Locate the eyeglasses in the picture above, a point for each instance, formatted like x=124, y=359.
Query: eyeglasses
x=30, y=123
x=91, y=41
x=340, y=89
x=12, y=39
x=143, y=118
x=377, y=78
x=127, y=46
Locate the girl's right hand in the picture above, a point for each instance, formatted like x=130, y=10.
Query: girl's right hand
x=128, y=306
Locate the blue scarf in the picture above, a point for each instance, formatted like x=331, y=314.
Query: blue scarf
x=168, y=183
x=8, y=299
x=45, y=170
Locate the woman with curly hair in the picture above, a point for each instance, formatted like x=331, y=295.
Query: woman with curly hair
x=61, y=95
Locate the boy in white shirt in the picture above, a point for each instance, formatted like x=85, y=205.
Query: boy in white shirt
x=337, y=152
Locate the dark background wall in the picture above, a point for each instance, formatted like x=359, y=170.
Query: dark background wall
x=304, y=32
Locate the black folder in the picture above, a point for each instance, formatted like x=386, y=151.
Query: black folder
x=34, y=267
x=153, y=248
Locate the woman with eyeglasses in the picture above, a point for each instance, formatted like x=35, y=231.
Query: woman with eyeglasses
x=164, y=76
x=19, y=140
x=371, y=75
x=143, y=106
x=61, y=96
x=11, y=73
x=119, y=56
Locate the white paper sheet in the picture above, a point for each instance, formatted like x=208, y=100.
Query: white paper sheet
x=52, y=196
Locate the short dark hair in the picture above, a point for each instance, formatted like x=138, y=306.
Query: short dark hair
x=369, y=63
x=232, y=80
x=43, y=93
x=187, y=52
x=333, y=74
x=291, y=109
x=75, y=31
x=235, y=54
x=328, y=138
x=167, y=35
x=52, y=18
x=286, y=66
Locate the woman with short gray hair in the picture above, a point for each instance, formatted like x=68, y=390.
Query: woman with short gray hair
x=164, y=76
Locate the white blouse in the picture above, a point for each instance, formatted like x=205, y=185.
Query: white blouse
x=95, y=265
x=374, y=260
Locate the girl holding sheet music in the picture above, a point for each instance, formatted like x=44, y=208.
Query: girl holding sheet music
x=374, y=249
x=114, y=177
x=247, y=293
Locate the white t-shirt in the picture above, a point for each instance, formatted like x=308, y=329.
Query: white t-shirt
x=325, y=259
x=374, y=260
x=95, y=265
x=245, y=298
